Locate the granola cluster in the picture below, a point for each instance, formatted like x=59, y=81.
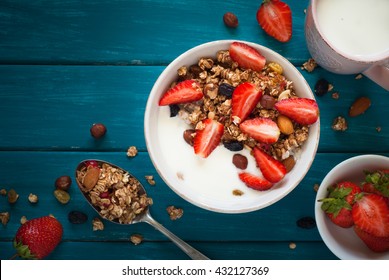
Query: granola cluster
x=117, y=195
x=212, y=73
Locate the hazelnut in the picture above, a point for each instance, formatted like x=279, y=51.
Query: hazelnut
x=189, y=136
x=98, y=130
x=63, y=183
x=230, y=20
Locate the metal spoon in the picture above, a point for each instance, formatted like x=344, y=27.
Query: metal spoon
x=144, y=216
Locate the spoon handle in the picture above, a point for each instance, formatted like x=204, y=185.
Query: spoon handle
x=189, y=250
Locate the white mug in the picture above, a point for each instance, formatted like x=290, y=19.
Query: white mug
x=327, y=49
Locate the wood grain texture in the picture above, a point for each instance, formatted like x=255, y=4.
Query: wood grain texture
x=134, y=32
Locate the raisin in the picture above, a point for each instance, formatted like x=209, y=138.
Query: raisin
x=77, y=217
x=240, y=161
x=267, y=101
x=233, y=145
x=226, y=90
x=321, y=87
x=174, y=109
x=306, y=222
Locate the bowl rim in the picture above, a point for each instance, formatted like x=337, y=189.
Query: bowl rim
x=320, y=217
x=174, y=66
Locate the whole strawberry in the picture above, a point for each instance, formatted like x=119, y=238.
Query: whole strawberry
x=38, y=237
x=338, y=204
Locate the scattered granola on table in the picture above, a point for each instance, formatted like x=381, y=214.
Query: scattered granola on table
x=150, y=180
x=12, y=196
x=174, y=213
x=3, y=192
x=32, y=198
x=4, y=217
x=132, y=151
x=23, y=220
x=136, y=238
x=378, y=129
x=97, y=224
x=339, y=124
x=116, y=195
x=309, y=65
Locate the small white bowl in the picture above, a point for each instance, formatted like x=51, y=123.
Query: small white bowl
x=344, y=243
x=174, y=167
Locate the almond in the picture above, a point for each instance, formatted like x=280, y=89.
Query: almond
x=359, y=106
x=285, y=125
x=91, y=178
x=289, y=163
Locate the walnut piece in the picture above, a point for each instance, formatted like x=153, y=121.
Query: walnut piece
x=132, y=151
x=33, y=198
x=4, y=217
x=97, y=224
x=309, y=65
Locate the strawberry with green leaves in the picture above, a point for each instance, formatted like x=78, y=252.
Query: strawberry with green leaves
x=377, y=182
x=38, y=237
x=275, y=18
x=339, y=202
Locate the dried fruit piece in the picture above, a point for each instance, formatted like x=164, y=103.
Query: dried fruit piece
x=321, y=87
x=63, y=183
x=226, y=90
x=233, y=145
x=174, y=109
x=359, y=106
x=267, y=101
x=98, y=130
x=77, y=217
x=285, y=125
x=189, y=136
x=275, y=67
x=230, y=19
x=237, y=192
x=240, y=161
x=306, y=222
x=91, y=178
x=12, y=196
x=62, y=196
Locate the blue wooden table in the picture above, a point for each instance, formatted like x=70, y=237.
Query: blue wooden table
x=65, y=65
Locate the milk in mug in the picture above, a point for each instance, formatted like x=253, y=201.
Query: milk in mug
x=355, y=27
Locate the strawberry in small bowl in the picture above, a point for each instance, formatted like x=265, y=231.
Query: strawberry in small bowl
x=352, y=208
x=231, y=126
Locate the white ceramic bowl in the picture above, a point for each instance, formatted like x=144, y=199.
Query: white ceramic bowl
x=209, y=188
x=344, y=243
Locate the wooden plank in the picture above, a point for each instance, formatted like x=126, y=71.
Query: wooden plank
x=53, y=107
x=130, y=32
x=36, y=172
x=125, y=250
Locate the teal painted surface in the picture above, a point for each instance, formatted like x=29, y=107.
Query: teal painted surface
x=67, y=64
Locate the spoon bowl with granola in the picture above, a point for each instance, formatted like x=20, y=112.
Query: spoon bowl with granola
x=118, y=197
x=231, y=126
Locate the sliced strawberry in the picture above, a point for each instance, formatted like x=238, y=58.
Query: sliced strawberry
x=272, y=169
x=338, y=204
x=255, y=182
x=275, y=18
x=208, y=138
x=261, y=129
x=371, y=214
x=244, y=99
x=186, y=91
x=246, y=56
x=302, y=110
x=375, y=243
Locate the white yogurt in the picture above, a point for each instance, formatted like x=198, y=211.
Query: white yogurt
x=214, y=177
x=355, y=27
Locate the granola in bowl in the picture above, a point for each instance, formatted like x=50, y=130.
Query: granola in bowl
x=219, y=107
